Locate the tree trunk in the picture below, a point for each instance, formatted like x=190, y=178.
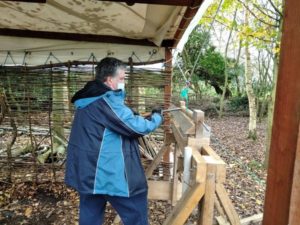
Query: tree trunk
x=238, y=86
x=249, y=88
x=226, y=66
x=272, y=98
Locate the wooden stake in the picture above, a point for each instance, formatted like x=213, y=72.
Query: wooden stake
x=207, y=205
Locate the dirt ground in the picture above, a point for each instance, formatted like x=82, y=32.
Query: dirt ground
x=53, y=203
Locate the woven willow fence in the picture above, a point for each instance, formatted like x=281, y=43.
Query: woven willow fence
x=36, y=116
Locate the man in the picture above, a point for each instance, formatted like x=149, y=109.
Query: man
x=184, y=93
x=103, y=159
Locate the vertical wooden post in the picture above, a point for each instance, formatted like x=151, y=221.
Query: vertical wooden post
x=294, y=217
x=285, y=122
x=206, y=207
x=175, y=177
x=168, y=87
x=198, y=117
x=167, y=99
x=130, y=83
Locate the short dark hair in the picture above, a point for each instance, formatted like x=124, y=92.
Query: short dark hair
x=108, y=67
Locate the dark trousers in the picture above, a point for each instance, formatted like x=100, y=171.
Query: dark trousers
x=132, y=210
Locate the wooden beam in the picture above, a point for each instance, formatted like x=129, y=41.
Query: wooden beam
x=186, y=19
x=156, y=2
x=285, y=122
x=198, y=142
x=180, y=139
x=168, y=87
x=221, y=220
x=215, y=159
x=201, y=166
x=76, y=63
x=156, y=161
x=167, y=102
x=252, y=219
x=186, y=125
x=198, y=117
x=27, y=1
x=206, y=206
x=227, y=205
x=245, y=221
x=162, y=190
x=294, y=217
x=75, y=37
x=175, y=176
x=185, y=205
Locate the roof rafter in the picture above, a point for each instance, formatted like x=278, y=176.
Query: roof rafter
x=80, y=37
x=156, y=2
x=28, y=1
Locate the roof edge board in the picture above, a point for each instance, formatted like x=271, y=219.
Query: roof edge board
x=156, y=2
x=186, y=19
x=76, y=63
x=80, y=37
x=26, y=1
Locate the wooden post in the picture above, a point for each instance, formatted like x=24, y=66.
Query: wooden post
x=168, y=87
x=167, y=101
x=206, y=206
x=155, y=161
x=175, y=177
x=227, y=204
x=285, y=123
x=130, y=83
x=295, y=199
x=198, y=117
x=191, y=197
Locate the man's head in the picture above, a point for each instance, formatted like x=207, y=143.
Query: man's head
x=111, y=71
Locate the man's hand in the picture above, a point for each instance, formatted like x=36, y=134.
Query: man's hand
x=135, y=113
x=157, y=110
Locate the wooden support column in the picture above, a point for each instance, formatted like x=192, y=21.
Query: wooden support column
x=206, y=206
x=175, y=177
x=167, y=101
x=285, y=124
x=130, y=83
x=168, y=87
x=295, y=199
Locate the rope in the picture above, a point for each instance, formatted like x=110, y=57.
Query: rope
x=9, y=55
x=25, y=55
x=51, y=54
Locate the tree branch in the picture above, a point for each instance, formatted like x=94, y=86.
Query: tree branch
x=265, y=13
x=259, y=19
x=261, y=39
x=275, y=8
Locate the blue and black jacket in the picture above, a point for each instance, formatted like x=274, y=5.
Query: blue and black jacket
x=103, y=154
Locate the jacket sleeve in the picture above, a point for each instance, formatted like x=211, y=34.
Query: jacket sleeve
x=120, y=119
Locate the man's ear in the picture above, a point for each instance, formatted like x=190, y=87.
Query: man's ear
x=108, y=79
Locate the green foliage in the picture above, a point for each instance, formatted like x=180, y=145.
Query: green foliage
x=210, y=66
x=213, y=62
x=238, y=103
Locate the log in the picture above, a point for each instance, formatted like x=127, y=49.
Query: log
x=60, y=151
x=252, y=219
x=19, y=151
x=245, y=221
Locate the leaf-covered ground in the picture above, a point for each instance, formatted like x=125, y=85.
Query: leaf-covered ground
x=246, y=176
x=50, y=203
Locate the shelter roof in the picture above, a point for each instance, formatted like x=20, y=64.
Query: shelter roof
x=77, y=29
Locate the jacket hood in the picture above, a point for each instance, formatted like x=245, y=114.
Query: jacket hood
x=91, y=89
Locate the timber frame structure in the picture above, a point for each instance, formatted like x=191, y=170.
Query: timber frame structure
x=283, y=184
x=203, y=174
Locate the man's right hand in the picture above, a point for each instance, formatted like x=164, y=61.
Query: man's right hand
x=157, y=110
